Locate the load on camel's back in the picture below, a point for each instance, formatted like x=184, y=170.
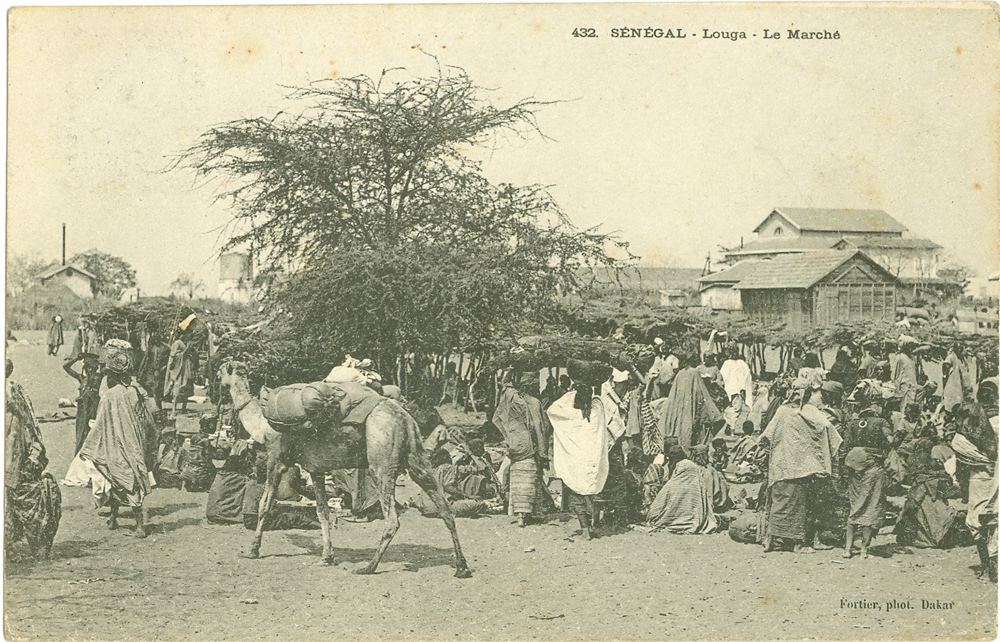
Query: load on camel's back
x=326, y=410
x=317, y=405
x=324, y=426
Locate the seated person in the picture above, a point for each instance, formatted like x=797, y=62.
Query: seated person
x=453, y=481
x=425, y=414
x=927, y=519
x=720, y=454
x=358, y=489
x=168, y=465
x=479, y=476
x=715, y=479
x=283, y=514
x=735, y=414
x=743, y=445
x=653, y=479
x=225, y=496
x=196, y=469
x=684, y=504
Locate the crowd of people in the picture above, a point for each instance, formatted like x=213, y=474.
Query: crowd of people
x=696, y=444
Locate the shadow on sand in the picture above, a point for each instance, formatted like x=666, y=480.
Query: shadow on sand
x=414, y=556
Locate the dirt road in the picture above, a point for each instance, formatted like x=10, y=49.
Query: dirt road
x=186, y=582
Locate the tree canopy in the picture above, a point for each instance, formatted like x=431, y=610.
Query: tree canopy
x=113, y=274
x=22, y=270
x=386, y=234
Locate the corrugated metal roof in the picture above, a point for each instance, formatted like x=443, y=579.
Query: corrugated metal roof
x=785, y=244
x=887, y=243
x=799, y=271
x=57, y=268
x=838, y=220
x=730, y=275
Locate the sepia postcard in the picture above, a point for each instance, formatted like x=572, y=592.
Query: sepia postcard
x=670, y=321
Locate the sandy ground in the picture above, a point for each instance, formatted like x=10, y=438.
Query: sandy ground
x=186, y=582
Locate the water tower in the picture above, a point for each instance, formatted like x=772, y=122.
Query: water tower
x=235, y=277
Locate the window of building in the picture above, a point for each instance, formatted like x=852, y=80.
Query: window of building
x=778, y=231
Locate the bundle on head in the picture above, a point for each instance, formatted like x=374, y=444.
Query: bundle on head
x=590, y=373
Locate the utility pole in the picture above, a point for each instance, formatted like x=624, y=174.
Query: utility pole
x=64, y=245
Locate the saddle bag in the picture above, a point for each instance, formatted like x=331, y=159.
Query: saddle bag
x=297, y=404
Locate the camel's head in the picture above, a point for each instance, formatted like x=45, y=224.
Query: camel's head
x=231, y=372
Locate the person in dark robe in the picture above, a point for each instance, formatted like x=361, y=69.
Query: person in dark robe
x=153, y=370
x=803, y=443
x=122, y=441
x=866, y=446
x=55, y=336
x=225, y=496
x=89, y=379
x=691, y=416
x=179, y=375
x=844, y=371
x=32, y=499
x=927, y=519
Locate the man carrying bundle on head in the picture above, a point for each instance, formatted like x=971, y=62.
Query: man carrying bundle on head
x=121, y=444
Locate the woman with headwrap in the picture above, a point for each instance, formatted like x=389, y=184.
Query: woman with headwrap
x=122, y=442
x=33, y=502
x=975, y=446
x=802, y=443
x=519, y=417
x=866, y=445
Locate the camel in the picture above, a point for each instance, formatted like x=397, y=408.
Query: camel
x=393, y=446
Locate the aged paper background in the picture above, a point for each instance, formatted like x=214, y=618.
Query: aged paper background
x=680, y=144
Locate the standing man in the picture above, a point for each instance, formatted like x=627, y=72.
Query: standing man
x=55, y=337
x=89, y=378
x=904, y=372
x=122, y=443
x=178, y=374
x=736, y=377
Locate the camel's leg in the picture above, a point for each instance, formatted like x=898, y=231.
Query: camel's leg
x=420, y=471
x=387, y=497
x=323, y=512
x=274, y=472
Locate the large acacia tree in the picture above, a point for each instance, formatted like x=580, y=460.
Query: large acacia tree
x=365, y=197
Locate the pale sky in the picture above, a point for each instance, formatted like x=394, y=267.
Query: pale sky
x=680, y=144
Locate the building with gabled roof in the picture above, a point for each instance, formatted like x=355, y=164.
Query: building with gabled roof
x=791, y=230
x=819, y=288
x=808, y=221
x=74, y=277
